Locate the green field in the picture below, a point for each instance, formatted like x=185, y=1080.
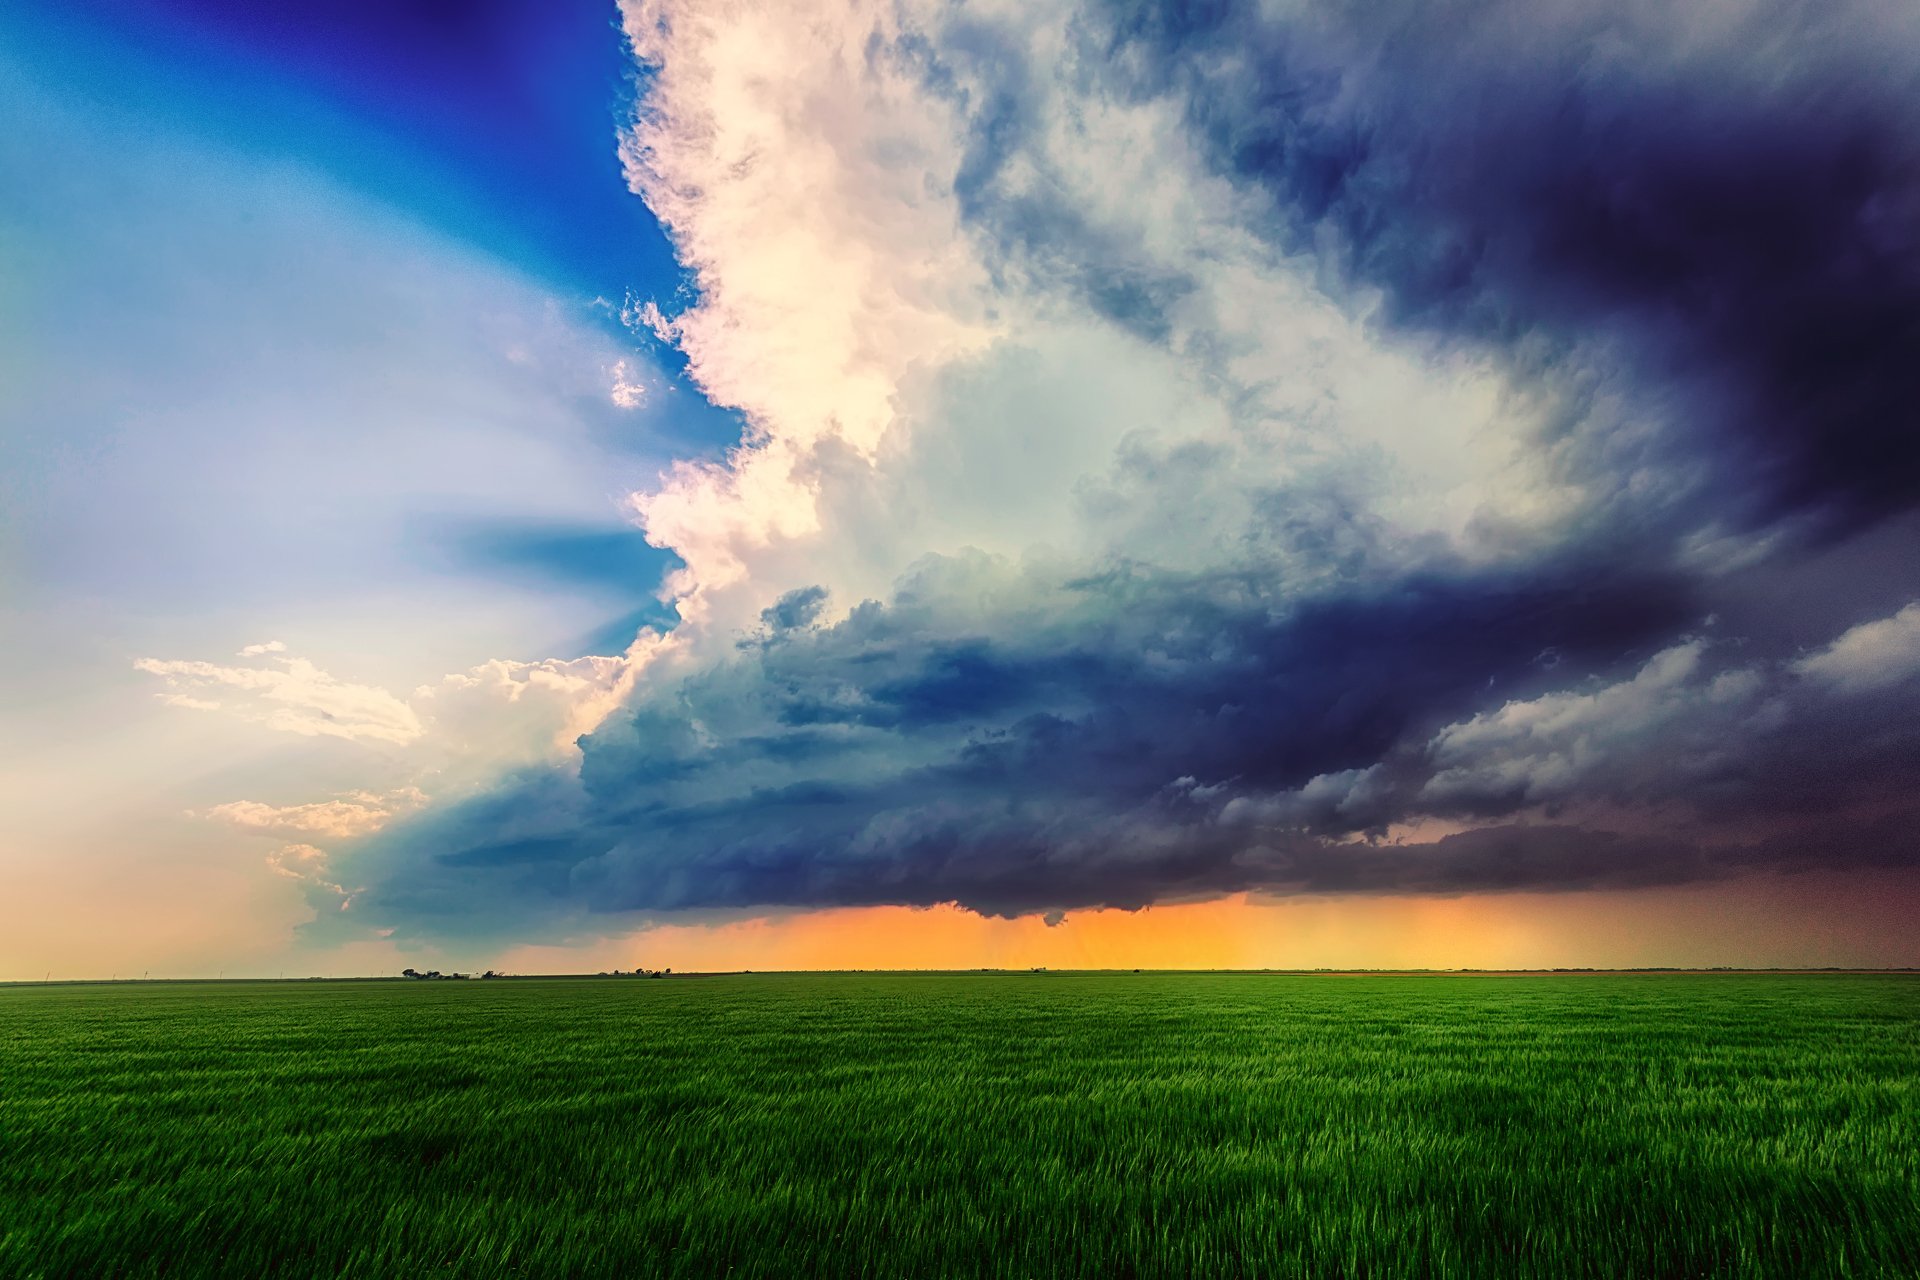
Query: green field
x=995, y=1124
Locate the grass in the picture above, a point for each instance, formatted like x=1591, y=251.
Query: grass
x=998, y=1125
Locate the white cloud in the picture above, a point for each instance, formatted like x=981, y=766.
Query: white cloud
x=494, y=715
x=502, y=712
x=294, y=697
x=188, y=702
x=264, y=647
x=627, y=391
x=645, y=319
x=1542, y=748
x=807, y=182
x=355, y=814
x=311, y=866
x=1873, y=655
x=925, y=374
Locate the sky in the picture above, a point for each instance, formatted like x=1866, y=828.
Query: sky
x=556, y=486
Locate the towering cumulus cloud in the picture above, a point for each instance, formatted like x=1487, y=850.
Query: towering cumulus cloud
x=1302, y=447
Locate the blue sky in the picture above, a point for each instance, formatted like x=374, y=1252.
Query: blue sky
x=301, y=350
x=265, y=257
x=492, y=122
x=493, y=476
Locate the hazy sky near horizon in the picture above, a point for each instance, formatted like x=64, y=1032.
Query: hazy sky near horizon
x=730, y=484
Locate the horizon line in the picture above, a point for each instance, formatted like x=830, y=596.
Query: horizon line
x=1029, y=971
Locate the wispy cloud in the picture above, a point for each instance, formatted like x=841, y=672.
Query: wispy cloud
x=496, y=714
x=358, y=813
x=313, y=868
x=293, y=696
x=626, y=391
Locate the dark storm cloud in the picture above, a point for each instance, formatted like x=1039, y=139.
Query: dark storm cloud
x=1717, y=224
x=797, y=608
x=1719, y=205
x=1159, y=736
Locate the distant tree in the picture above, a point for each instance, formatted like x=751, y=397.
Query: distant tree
x=409, y=973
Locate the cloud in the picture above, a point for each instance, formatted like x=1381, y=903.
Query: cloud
x=356, y=814
x=1872, y=656
x=1763, y=761
x=879, y=762
x=188, y=703
x=504, y=712
x=293, y=697
x=1297, y=448
x=1539, y=748
x=893, y=291
x=311, y=866
x=925, y=750
x=264, y=647
x=798, y=608
x=826, y=259
x=627, y=391
x=491, y=716
x=1703, y=214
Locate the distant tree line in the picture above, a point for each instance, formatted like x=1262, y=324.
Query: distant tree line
x=434, y=975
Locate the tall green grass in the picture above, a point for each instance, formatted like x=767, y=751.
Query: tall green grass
x=998, y=1125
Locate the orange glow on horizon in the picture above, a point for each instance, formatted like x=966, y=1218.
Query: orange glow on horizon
x=1862, y=920
x=202, y=920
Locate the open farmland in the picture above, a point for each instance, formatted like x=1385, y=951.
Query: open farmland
x=991, y=1124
